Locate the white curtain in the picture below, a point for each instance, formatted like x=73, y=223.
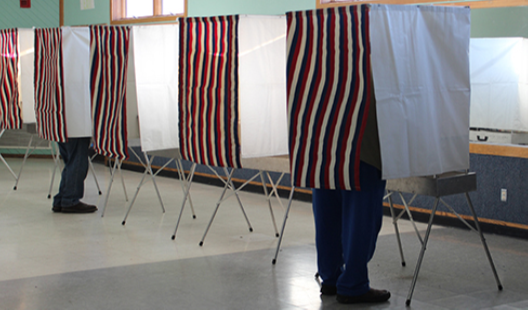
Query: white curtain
x=156, y=50
x=26, y=46
x=76, y=66
x=420, y=64
x=499, y=92
x=26, y=42
x=131, y=96
x=262, y=82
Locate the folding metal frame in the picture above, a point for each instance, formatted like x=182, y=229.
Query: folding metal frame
x=147, y=164
x=5, y=162
x=229, y=185
x=116, y=167
x=436, y=186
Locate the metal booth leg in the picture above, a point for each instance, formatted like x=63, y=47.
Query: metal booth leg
x=422, y=253
x=396, y=229
x=499, y=285
x=274, y=261
x=185, y=196
x=135, y=196
x=90, y=159
x=153, y=177
x=218, y=205
x=26, y=155
x=148, y=170
x=268, y=198
x=234, y=189
x=122, y=179
x=112, y=174
x=183, y=183
x=228, y=184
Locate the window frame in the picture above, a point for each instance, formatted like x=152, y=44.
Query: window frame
x=118, y=11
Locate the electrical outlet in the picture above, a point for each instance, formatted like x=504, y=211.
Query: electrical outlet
x=504, y=194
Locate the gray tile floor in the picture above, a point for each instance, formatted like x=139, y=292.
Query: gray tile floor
x=65, y=261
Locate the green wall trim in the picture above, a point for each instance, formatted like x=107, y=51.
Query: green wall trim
x=499, y=22
x=74, y=16
x=43, y=14
x=256, y=7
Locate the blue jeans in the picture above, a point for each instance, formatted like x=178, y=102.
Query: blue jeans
x=74, y=153
x=347, y=224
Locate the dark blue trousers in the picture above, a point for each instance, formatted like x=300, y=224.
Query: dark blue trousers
x=74, y=153
x=347, y=224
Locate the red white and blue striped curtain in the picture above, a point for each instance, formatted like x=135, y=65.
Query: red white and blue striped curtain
x=49, y=88
x=10, y=116
x=208, y=91
x=328, y=74
x=109, y=63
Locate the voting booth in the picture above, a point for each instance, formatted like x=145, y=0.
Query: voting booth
x=412, y=62
x=155, y=77
x=18, y=96
x=77, y=90
x=429, y=88
x=421, y=91
x=16, y=85
x=232, y=96
x=256, y=114
x=10, y=110
x=113, y=96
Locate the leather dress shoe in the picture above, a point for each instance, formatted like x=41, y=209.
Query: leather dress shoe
x=372, y=296
x=80, y=207
x=328, y=290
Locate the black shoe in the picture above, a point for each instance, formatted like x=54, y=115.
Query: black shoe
x=373, y=295
x=81, y=207
x=56, y=209
x=328, y=289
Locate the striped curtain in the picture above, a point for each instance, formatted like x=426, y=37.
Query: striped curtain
x=49, y=88
x=208, y=91
x=109, y=62
x=10, y=116
x=328, y=74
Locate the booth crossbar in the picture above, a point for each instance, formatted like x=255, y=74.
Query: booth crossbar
x=147, y=164
x=229, y=185
x=186, y=195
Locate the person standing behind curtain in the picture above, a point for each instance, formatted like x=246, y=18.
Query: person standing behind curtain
x=347, y=224
x=74, y=153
